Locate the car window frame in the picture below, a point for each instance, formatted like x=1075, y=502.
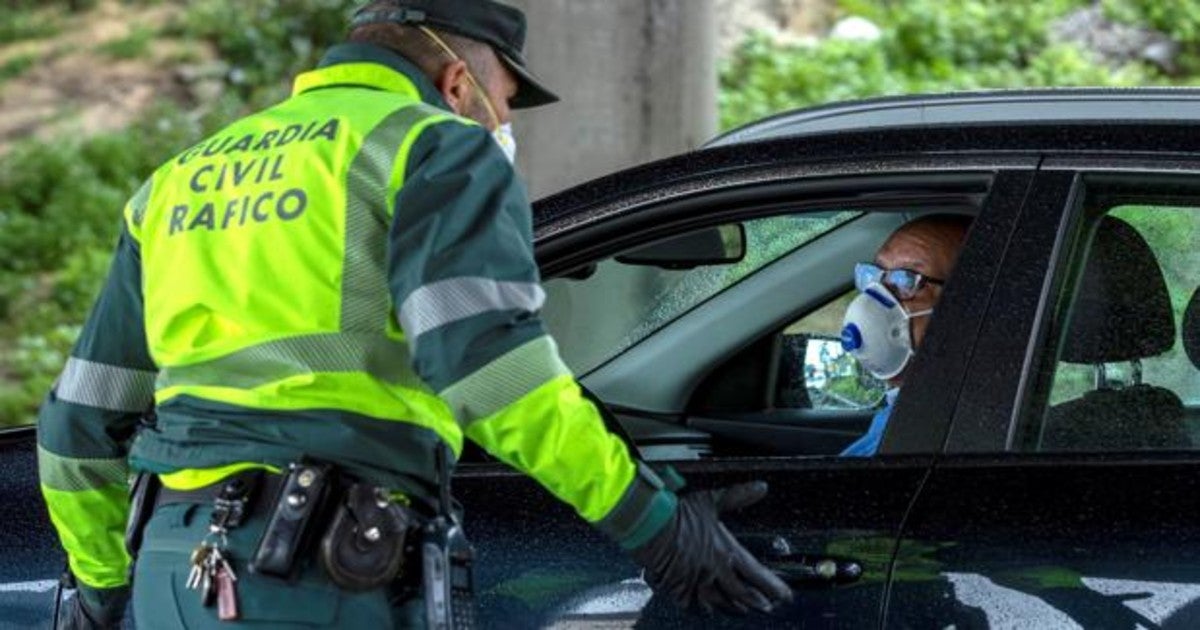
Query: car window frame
x=991, y=415
x=1116, y=189
x=560, y=248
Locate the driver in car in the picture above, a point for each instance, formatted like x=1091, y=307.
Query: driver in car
x=886, y=323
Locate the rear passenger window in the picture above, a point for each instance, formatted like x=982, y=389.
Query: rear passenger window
x=1125, y=373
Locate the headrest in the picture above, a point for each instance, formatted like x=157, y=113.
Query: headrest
x=1191, y=329
x=1122, y=310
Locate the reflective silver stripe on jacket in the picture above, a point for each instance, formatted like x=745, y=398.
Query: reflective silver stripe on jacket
x=105, y=386
x=448, y=301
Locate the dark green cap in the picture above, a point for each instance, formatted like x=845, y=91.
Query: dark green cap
x=498, y=25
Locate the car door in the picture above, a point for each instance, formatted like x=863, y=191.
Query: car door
x=32, y=560
x=1066, y=498
x=539, y=565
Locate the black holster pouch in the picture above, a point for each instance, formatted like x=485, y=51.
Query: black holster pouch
x=298, y=513
x=142, y=498
x=364, y=546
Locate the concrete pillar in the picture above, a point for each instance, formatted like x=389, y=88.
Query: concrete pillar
x=638, y=82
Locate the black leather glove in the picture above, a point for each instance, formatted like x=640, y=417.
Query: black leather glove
x=697, y=562
x=94, y=609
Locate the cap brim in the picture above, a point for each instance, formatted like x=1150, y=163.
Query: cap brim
x=530, y=90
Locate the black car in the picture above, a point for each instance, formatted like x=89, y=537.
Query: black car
x=1039, y=470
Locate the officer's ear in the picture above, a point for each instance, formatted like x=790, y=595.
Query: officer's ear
x=454, y=84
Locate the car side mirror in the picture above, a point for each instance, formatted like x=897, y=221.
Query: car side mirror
x=720, y=245
x=831, y=378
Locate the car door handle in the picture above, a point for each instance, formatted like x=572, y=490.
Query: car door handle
x=804, y=570
x=801, y=569
x=814, y=570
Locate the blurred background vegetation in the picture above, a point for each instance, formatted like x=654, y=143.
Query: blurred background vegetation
x=61, y=194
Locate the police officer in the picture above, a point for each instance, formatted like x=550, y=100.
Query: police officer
x=346, y=277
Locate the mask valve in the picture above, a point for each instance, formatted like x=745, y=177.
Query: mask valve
x=851, y=338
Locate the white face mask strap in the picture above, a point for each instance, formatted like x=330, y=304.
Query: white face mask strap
x=487, y=101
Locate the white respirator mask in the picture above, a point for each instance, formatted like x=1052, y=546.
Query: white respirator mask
x=878, y=333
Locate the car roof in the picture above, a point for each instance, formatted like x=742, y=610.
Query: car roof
x=1018, y=107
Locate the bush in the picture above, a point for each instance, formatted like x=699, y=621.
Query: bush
x=927, y=46
x=16, y=66
x=33, y=363
x=61, y=201
x=944, y=36
x=132, y=46
x=763, y=78
x=1180, y=19
x=56, y=197
x=60, y=210
x=267, y=41
x=20, y=23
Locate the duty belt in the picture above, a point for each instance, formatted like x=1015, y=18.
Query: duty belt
x=364, y=537
x=243, y=493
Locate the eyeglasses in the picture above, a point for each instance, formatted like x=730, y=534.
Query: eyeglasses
x=905, y=283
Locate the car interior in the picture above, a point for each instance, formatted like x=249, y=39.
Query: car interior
x=1121, y=313
x=696, y=352
x=725, y=377
x=694, y=386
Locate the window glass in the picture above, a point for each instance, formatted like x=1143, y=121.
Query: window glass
x=620, y=304
x=1122, y=380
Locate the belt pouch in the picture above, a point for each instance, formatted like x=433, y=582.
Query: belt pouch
x=295, y=519
x=363, y=548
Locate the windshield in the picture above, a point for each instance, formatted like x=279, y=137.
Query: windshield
x=597, y=318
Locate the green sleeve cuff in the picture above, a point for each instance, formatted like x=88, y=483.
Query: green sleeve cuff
x=642, y=512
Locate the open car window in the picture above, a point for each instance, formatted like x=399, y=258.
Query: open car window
x=603, y=311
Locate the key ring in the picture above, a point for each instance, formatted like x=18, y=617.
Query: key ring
x=216, y=530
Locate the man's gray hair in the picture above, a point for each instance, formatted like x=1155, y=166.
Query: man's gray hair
x=420, y=49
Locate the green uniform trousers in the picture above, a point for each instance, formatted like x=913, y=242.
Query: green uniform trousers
x=161, y=598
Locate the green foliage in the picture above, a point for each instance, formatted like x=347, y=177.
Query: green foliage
x=132, y=46
x=927, y=46
x=267, y=40
x=16, y=66
x=1180, y=19
x=19, y=22
x=78, y=6
x=943, y=36
x=764, y=78
x=58, y=196
x=60, y=211
x=31, y=365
